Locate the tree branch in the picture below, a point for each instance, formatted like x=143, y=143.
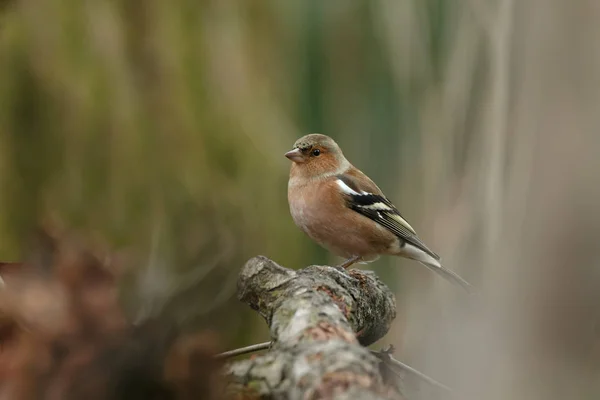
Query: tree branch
x=244, y=350
x=384, y=355
x=320, y=318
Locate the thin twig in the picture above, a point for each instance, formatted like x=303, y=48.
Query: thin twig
x=384, y=355
x=244, y=350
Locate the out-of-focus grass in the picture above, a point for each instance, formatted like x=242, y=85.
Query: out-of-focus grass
x=157, y=130
x=136, y=127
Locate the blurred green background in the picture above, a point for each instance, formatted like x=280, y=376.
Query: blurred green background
x=158, y=128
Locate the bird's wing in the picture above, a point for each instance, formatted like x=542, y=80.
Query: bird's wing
x=363, y=196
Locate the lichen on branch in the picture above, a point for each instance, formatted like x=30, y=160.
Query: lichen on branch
x=320, y=319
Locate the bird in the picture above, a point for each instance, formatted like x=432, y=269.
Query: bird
x=344, y=211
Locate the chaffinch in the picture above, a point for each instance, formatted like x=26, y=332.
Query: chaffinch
x=343, y=210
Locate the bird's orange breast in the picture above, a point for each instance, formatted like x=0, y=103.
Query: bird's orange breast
x=320, y=211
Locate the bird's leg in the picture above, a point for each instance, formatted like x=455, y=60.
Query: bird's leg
x=348, y=263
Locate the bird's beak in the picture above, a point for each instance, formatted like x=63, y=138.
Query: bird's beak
x=295, y=155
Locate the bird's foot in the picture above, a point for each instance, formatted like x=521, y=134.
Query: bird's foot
x=349, y=262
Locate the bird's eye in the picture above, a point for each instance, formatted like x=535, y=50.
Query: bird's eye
x=316, y=152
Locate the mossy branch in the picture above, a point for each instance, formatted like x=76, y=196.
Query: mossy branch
x=320, y=318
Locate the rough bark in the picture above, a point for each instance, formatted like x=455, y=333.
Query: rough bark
x=320, y=319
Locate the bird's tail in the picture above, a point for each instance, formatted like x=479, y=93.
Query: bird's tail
x=436, y=266
x=449, y=275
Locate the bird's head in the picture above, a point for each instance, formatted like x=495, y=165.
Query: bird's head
x=316, y=156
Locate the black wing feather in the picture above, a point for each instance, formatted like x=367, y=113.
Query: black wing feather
x=386, y=215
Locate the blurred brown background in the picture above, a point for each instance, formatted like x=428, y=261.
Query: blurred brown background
x=157, y=129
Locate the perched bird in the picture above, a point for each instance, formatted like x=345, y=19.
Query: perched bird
x=340, y=208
